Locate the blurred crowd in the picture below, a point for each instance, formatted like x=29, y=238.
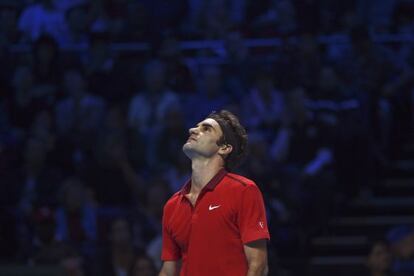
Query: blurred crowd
x=90, y=139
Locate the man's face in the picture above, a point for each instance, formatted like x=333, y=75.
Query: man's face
x=379, y=258
x=405, y=247
x=203, y=139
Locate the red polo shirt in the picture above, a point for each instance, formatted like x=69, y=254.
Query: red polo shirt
x=209, y=236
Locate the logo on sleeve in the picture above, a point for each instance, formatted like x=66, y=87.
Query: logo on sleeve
x=261, y=224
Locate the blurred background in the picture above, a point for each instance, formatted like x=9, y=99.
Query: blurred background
x=96, y=97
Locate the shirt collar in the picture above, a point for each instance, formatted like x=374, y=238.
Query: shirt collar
x=210, y=185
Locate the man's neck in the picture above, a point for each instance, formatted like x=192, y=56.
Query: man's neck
x=202, y=172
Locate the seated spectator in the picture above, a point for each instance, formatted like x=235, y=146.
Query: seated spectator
x=80, y=113
x=118, y=257
x=211, y=95
x=164, y=15
x=76, y=217
x=42, y=129
x=98, y=59
x=110, y=173
x=47, y=69
x=41, y=18
x=379, y=259
x=148, y=108
x=37, y=178
x=170, y=139
x=148, y=215
x=77, y=25
x=258, y=166
x=157, y=195
x=264, y=106
x=136, y=22
x=143, y=266
x=302, y=151
x=178, y=74
x=401, y=240
x=47, y=250
x=178, y=172
x=302, y=124
x=213, y=19
x=278, y=18
x=23, y=104
x=106, y=74
x=9, y=12
x=237, y=70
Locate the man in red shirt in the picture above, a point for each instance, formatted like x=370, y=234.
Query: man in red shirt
x=216, y=224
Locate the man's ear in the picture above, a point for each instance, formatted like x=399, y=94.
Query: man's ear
x=225, y=149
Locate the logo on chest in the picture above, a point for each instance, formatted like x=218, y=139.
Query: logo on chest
x=212, y=207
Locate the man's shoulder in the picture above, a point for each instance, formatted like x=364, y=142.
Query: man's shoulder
x=237, y=178
x=173, y=200
x=239, y=181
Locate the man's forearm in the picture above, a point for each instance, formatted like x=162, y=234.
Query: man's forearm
x=257, y=270
x=169, y=268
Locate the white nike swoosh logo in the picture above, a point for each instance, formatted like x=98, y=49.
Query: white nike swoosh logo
x=211, y=207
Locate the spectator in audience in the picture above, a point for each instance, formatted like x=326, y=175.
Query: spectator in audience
x=47, y=249
x=401, y=240
x=278, y=19
x=237, y=74
x=302, y=148
x=164, y=15
x=147, y=215
x=42, y=129
x=143, y=266
x=211, y=94
x=118, y=258
x=178, y=74
x=264, y=106
x=157, y=195
x=178, y=172
x=258, y=165
x=34, y=184
x=378, y=262
x=80, y=113
x=23, y=104
x=37, y=179
x=148, y=108
x=170, y=137
x=105, y=73
x=76, y=217
x=77, y=25
x=47, y=69
x=135, y=28
x=98, y=57
x=110, y=172
x=41, y=18
x=9, y=13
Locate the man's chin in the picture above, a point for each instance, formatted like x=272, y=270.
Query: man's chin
x=188, y=150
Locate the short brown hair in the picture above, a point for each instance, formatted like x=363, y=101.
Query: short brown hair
x=234, y=134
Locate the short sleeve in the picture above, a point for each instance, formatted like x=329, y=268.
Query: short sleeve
x=170, y=249
x=252, y=216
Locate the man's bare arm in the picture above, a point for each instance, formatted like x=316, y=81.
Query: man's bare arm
x=256, y=254
x=169, y=268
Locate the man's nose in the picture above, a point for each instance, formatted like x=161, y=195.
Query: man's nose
x=192, y=131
